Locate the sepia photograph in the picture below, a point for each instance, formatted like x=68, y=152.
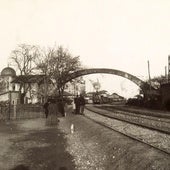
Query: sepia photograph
x=84, y=85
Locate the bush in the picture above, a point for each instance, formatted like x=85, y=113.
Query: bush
x=134, y=102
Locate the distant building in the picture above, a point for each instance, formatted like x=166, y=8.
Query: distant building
x=12, y=87
x=35, y=88
x=12, y=91
x=76, y=87
x=8, y=90
x=116, y=97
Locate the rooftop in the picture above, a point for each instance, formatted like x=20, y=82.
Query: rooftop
x=8, y=71
x=29, y=79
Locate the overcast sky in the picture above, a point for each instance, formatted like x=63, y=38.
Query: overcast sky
x=118, y=34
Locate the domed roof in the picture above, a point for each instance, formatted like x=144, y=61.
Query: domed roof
x=8, y=71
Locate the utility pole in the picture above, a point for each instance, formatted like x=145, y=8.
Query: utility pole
x=166, y=76
x=45, y=87
x=168, y=67
x=46, y=80
x=149, y=74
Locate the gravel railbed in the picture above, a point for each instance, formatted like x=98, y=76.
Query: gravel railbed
x=160, y=124
x=141, y=111
x=95, y=147
x=136, y=113
x=151, y=137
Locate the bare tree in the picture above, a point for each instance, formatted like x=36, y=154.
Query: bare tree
x=62, y=64
x=43, y=66
x=23, y=58
x=57, y=64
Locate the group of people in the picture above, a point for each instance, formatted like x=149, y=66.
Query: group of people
x=53, y=110
x=79, y=103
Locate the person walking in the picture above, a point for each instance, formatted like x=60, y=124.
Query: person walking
x=77, y=105
x=82, y=104
x=73, y=107
x=46, y=104
x=53, y=111
x=61, y=105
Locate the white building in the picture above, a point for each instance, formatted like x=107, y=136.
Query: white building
x=31, y=88
x=12, y=87
x=8, y=90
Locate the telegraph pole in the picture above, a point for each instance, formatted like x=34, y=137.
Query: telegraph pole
x=45, y=88
x=149, y=74
x=166, y=76
x=168, y=68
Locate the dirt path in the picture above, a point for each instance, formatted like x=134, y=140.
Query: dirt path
x=32, y=145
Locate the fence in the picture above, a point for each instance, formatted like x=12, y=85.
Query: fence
x=26, y=111
x=4, y=112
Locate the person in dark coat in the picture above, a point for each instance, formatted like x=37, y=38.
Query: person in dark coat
x=61, y=106
x=53, y=113
x=77, y=105
x=82, y=104
x=46, y=104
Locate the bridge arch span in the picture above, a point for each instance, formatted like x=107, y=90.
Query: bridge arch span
x=126, y=75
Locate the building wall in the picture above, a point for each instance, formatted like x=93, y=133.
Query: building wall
x=76, y=87
x=15, y=97
x=11, y=96
x=31, y=95
x=8, y=85
x=4, y=96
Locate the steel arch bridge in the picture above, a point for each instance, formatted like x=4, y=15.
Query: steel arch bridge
x=126, y=75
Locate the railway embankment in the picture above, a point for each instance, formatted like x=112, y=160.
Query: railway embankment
x=142, y=111
x=144, y=118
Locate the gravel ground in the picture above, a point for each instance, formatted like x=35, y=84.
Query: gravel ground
x=97, y=148
x=152, y=137
x=33, y=145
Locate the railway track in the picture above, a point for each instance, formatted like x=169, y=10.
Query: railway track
x=155, y=138
x=143, y=120
x=141, y=111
